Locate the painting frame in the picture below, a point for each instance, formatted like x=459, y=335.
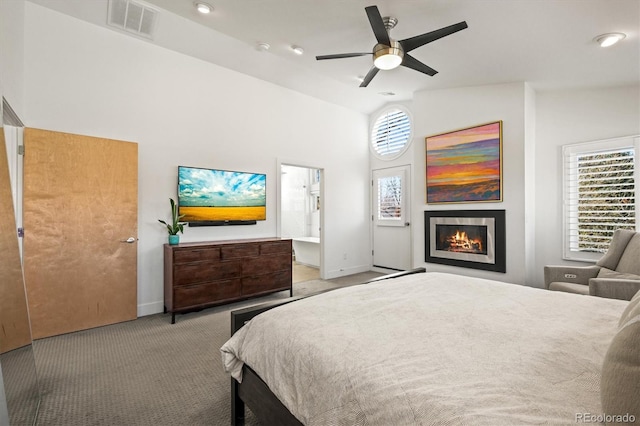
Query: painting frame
x=465, y=165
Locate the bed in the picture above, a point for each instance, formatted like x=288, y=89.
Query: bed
x=436, y=348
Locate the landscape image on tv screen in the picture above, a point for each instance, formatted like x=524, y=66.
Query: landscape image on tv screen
x=221, y=195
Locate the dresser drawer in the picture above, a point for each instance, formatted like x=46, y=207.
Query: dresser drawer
x=276, y=247
x=195, y=255
x=185, y=297
x=203, y=274
x=234, y=251
x=198, y=272
x=266, y=282
x=262, y=264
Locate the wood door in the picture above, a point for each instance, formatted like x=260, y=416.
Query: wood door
x=80, y=208
x=390, y=214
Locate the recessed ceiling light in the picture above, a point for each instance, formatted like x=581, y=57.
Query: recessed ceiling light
x=263, y=47
x=609, y=39
x=203, y=8
x=297, y=50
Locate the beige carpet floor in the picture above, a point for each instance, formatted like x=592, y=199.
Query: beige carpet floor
x=147, y=371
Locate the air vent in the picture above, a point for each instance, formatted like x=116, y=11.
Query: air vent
x=132, y=17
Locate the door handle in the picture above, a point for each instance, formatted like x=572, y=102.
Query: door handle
x=129, y=240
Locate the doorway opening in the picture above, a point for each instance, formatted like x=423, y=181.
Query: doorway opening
x=300, y=218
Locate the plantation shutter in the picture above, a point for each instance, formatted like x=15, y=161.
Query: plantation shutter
x=600, y=195
x=391, y=133
x=389, y=196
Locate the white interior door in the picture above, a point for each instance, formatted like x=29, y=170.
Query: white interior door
x=390, y=213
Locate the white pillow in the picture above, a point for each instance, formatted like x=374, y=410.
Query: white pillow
x=620, y=381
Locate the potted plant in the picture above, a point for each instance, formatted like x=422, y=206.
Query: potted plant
x=175, y=226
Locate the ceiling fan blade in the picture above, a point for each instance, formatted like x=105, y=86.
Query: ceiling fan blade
x=377, y=25
x=367, y=79
x=411, y=62
x=342, y=55
x=411, y=43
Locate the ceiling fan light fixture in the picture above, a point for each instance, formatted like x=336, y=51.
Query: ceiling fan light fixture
x=609, y=39
x=388, y=53
x=388, y=57
x=203, y=8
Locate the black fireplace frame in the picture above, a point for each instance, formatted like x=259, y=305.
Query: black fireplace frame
x=499, y=265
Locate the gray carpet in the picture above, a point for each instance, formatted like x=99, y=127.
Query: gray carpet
x=147, y=371
x=20, y=385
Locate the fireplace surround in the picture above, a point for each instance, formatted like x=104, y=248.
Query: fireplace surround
x=466, y=238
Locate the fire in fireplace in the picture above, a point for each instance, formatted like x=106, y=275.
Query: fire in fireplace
x=462, y=238
x=466, y=238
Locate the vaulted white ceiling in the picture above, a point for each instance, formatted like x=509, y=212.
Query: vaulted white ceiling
x=547, y=43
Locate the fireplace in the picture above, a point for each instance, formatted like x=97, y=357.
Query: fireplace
x=466, y=238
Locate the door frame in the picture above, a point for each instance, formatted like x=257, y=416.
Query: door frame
x=14, y=142
x=304, y=164
x=409, y=216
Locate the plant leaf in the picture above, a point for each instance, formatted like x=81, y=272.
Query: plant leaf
x=175, y=225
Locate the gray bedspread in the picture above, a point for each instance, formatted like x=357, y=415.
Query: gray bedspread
x=431, y=348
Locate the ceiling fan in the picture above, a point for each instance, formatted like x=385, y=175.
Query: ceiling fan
x=388, y=53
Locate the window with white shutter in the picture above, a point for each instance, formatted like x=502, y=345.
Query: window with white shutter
x=390, y=189
x=600, y=194
x=390, y=198
x=391, y=133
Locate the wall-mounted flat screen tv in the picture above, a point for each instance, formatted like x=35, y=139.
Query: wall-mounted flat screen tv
x=221, y=196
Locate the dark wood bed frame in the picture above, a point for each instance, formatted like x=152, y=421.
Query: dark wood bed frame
x=253, y=391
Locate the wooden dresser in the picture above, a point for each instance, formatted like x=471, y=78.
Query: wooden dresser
x=199, y=275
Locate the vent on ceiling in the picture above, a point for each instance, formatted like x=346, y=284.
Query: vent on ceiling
x=133, y=17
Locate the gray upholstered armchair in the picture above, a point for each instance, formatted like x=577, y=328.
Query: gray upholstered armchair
x=616, y=275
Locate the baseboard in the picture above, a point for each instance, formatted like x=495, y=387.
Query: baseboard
x=308, y=264
x=347, y=271
x=150, y=308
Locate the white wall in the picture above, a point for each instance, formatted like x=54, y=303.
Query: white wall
x=535, y=126
x=567, y=117
x=85, y=79
x=11, y=54
x=530, y=236
x=441, y=111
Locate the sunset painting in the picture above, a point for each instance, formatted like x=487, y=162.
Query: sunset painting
x=465, y=165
